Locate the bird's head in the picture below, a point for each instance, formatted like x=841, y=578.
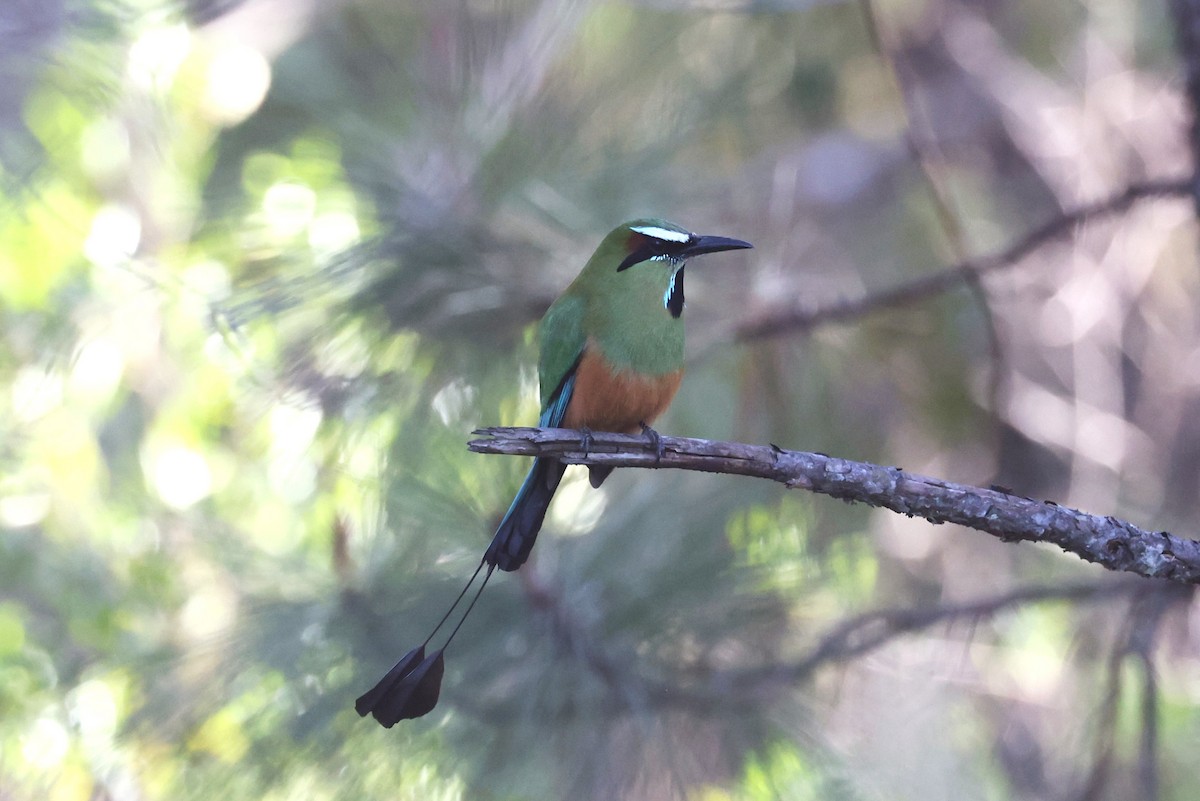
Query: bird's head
x=653, y=251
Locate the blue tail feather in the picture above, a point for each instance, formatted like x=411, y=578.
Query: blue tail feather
x=519, y=529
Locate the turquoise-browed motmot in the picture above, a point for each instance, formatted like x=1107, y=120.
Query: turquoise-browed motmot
x=611, y=359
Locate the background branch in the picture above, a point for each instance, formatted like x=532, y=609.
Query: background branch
x=1187, y=36
x=1107, y=541
x=699, y=686
x=800, y=319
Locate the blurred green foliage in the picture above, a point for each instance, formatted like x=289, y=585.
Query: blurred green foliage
x=264, y=267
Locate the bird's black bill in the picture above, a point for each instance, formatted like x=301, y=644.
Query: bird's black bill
x=711, y=244
x=411, y=688
x=651, y=248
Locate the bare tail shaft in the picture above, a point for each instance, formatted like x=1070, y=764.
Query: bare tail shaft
x=521, y=524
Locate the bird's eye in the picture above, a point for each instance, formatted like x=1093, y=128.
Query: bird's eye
x=643, y=247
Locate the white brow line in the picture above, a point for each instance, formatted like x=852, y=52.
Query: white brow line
x=661, y=233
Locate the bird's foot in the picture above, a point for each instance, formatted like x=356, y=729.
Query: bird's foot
x=655, y=439
x=586, y=440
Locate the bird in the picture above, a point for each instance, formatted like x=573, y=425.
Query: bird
x=611, y=355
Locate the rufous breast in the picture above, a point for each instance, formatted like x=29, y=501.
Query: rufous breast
x=607, y=399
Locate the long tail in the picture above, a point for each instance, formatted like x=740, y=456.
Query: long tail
x=517, y=531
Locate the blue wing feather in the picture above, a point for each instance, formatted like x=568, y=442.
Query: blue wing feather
x=556, y=410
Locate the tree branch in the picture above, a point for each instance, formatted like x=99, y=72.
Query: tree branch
x=1107, y=541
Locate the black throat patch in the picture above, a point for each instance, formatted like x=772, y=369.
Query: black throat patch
x=674, y=297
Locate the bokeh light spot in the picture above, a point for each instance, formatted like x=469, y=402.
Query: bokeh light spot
x=97, y=371
x=208, y=612
x=156, y=55
x=114, y=237
x=237, y=81
x=93, y=708
x=577, y=507
x=289, y=207
x=180, y=476
x=46, y=743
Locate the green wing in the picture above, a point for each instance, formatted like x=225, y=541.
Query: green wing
x=560, y=342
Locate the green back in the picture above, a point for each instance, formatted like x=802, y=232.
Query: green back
x=623, y=312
